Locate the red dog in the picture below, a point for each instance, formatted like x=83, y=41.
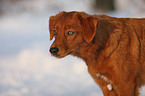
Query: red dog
x=113, y=48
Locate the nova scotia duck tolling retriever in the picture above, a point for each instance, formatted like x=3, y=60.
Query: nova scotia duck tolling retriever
x=112, y=48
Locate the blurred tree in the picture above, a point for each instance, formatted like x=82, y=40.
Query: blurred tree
x=104, y=5
x=4, y=5
x=1, y=7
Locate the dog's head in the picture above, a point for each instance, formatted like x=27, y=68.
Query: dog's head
x=71, y=30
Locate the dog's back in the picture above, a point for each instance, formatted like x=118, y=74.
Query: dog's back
x=135, y=31
x=136, y=27
x=132, y=26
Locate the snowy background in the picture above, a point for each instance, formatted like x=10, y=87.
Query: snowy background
x=26, y=66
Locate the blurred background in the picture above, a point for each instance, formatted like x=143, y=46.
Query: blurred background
x=26, y=66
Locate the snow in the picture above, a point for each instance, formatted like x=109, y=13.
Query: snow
x=26, y=66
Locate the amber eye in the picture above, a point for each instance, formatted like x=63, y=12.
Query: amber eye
x=54, y=31
x=70, y=33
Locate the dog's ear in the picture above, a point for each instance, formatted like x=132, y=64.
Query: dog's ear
x=51, y=26
x=91, y=31
x=88, y=24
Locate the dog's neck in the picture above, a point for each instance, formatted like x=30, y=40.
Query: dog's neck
x=85, y=53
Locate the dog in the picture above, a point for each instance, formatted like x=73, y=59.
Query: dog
x=112, y=48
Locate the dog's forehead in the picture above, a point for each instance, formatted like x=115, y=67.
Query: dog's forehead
x=65, y=19
x=65, y=23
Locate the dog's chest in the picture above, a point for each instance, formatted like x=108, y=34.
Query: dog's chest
x=102, y=77
x=109, y=85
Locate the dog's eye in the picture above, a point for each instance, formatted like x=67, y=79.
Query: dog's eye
x=54, y=31
x=70, y=33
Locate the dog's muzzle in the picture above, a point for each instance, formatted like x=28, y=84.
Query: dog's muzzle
x=54, y=50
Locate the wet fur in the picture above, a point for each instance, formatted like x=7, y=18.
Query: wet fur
x=112, y=47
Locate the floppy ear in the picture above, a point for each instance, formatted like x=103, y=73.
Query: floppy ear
x=88, y=24
x=51, y=26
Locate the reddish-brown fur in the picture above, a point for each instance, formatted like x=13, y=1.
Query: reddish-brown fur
x=112, y=47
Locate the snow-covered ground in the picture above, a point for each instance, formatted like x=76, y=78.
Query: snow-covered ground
x=26, y=67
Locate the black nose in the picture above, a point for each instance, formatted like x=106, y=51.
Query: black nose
x=54, y=50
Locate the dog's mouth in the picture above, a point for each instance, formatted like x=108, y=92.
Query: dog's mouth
x=62, y=56
x=58, y=56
